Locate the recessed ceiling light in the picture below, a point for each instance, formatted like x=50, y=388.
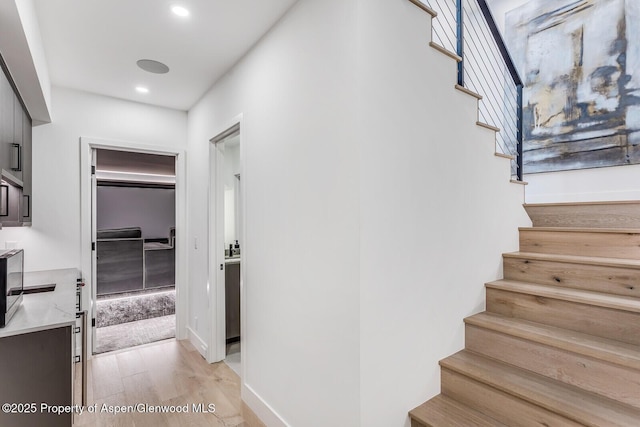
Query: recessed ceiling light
x=153, y=66
x=142, y=89
x=180, y=11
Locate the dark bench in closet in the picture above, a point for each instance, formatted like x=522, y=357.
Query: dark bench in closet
x=160, y=262
x=126, y=263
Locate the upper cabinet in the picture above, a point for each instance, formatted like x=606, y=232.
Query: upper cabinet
x=26, y=168
x=15, y=155
x=16, y=161
x=6, y=122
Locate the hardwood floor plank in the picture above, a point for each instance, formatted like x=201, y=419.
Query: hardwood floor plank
x=166, y=373
x=251, y=419
x=107, y=374
x=130, y=363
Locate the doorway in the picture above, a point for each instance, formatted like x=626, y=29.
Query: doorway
x=227, y=247
x=88, y=222
x=135, y=223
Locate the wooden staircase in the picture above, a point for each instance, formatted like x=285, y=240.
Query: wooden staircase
x=559, y=342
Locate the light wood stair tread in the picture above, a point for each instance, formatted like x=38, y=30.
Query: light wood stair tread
x=552, y=395
x=445, y=51
x=488, y=126
x=469, y=92
x=576, y=259
x=442, y=411
x=505, y=156
x=424, y=7
x=583, y=230
x=515, y=181
x=615, y=202
x=588, y=345
x=569, y=294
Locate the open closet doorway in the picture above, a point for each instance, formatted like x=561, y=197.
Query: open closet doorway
x=135, y=222
x=226, y=254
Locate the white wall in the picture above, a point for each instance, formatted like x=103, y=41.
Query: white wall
x=22, y=51
x=437, y=211
x=300, y=176
x=376, y=210
x=54, y=239
x=151, y=209
x=585, y=185
x=29, y=19
x=375, y=207
x=231, y=193
x=499, y=8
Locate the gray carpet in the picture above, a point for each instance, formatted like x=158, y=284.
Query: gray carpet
x=125, y=308
x=125, y=335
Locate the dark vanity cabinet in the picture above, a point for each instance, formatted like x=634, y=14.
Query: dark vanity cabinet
x=232, y=300
x=15, y=153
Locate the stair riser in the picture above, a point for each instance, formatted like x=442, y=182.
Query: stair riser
x=603, y=378
x=612, y=280
x=597, y=215
x=603, y=322
x=582, y=243
x=494, y=403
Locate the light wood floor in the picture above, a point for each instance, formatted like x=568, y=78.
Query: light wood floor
x=165, y=373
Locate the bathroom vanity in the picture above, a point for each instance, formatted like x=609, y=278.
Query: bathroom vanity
x=232, y=298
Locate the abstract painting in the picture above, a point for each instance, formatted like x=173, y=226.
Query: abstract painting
x=580, y=63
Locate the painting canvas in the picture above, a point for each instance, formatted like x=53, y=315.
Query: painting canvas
x=580, y=63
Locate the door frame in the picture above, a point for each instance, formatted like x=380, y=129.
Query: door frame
x=216, y=350
x=87, y=145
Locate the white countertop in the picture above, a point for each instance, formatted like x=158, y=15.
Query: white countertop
x=232, y=260
x=46, y=310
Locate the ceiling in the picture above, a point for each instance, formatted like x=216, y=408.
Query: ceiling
x=93, y=45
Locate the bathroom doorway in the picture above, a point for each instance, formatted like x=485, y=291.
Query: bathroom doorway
x=135, y=218
x=226, y=246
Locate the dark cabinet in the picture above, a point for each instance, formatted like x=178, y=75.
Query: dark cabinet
x=232, y=301
x=16, y=161
x=37, y=369
x=26, y=167
x=6, y=122
x=15, y=151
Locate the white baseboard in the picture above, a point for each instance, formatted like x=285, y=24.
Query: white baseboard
x=197, y=342
x=261, y=408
